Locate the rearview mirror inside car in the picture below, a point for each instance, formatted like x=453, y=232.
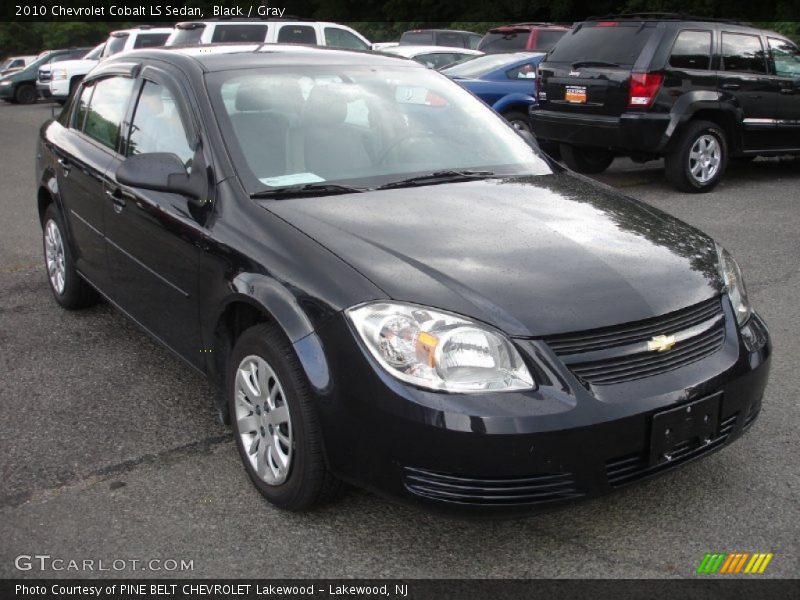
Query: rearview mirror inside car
x=161, y=172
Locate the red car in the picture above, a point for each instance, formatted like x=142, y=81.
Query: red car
x=539, y=37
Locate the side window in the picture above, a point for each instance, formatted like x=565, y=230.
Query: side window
x=742, y=53
x=115, y=43
x=157, y=125
x=526, y=71
x=453, y=40
x=16, y=63
x=297, y=34
x=786, y=57
x=150, y=40
x=82, y=107
x=107, y=109
x=239, y=33
x=474, y=40
x=341, y=38
x=692, y=50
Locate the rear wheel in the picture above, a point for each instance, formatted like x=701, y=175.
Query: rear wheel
x=69, y=290
x=275, y=423
x=518, y=120
x=25, y=94
x=586, y=160
x=698, y=160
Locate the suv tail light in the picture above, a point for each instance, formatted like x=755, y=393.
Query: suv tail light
x=643, y=88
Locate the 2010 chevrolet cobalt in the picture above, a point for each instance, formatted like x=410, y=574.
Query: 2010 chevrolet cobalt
x=388, y=284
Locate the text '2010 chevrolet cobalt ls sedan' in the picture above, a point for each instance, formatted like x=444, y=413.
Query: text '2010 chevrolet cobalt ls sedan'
x=388, y=284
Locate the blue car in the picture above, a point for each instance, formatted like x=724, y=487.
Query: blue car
x=506, y=82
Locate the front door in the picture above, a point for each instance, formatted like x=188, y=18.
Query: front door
x=153, y=237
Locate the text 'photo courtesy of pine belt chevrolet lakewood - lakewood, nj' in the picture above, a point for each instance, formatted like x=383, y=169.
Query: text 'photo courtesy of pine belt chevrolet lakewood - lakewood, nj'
x=393, y=286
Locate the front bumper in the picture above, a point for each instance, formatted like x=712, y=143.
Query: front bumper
x=59, y=89
x=630, y=132
x=512, y=452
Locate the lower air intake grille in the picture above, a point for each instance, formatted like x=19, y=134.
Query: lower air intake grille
x=628, y=469
x=537, y=489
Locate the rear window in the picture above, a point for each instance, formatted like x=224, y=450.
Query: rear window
x=495, y=42
x=187, y=37
x=446, y=38
x=239, y=33
x=417, y=38
x=150, y=40
x=692, y=50
x=546, y=39
x=619, y=43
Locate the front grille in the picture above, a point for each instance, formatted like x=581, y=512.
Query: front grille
x=45, y=75
x=627, y=469
x=620, y=354
x=457, y=489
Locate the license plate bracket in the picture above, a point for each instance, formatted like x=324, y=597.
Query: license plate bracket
x=575, y=94
x=687, y=426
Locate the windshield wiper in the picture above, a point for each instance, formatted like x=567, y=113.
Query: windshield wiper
x=309, y=189
x=437, y=177
x=593, y=63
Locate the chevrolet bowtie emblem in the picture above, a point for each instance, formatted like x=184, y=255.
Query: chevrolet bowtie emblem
x=661, y=343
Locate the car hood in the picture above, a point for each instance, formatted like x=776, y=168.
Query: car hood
x=532, y=256
x=75, y=65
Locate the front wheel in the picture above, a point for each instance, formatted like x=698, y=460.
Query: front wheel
x=699, y=158
x=518, y=120
x=274, y=421
x=69, y=290
x=586, y=160
x=25, y=94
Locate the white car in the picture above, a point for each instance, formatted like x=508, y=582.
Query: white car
x=315, y=33
x=59, y=79
x=15, y=63
x=433, y=57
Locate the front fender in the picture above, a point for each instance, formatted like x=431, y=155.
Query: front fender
x=516, y=99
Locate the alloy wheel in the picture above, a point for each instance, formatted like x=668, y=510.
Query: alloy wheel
x=705, y=158
x=263, y=420
x=54, y=256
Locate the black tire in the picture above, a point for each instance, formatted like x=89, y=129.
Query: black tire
x=677, y=164
x=586, y=160
x=309, y=482
x=25, y=94
x=76, y=293
x=518, y=120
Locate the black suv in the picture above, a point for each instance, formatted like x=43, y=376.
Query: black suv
x=693, y=91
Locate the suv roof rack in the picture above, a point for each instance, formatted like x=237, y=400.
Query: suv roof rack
x=663, y=16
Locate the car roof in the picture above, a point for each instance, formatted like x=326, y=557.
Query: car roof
x=254, y=21
x=410, y=51
x=144, y=29
x=224, y=57
x=528, y=27
x=441, y=31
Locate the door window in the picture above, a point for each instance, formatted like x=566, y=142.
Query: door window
x=297, y=34
x=742, y=53
x=341, y=38
x=692, y=50
x=150, y=40
x=116, y=43
x=157, y=125
x=786, y=57
x=107, y=109
x=239, y=33
x=83, y=107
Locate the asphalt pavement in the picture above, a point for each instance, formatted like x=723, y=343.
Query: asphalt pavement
x=109, y=449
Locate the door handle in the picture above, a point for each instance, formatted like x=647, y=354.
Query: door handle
x=117, y=200
x=65, y=166
x=730, y=86
x=787, y=90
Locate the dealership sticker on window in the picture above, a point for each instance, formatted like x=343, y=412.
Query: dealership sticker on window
x=293, y=179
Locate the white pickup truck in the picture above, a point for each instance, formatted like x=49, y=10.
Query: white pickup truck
x=58, y=80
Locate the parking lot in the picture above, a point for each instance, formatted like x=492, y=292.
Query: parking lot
x=109, y=448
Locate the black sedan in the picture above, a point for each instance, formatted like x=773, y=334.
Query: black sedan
x=388, y=284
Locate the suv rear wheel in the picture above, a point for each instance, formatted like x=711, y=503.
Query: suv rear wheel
x=586, y=160
x=698, y=160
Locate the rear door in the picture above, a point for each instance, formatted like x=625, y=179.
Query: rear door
x=786, y=63
x=588, y=71
x=745, y=82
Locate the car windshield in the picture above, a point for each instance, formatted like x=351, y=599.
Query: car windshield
x=477, y=67
x=360, y=126
x=94, y=53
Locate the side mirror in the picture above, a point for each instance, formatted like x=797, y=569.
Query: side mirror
x=161, y=172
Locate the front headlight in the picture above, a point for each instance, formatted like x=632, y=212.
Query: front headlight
x=734, y=285
x=60, y=74
x=438, y=350
x=5, y=82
